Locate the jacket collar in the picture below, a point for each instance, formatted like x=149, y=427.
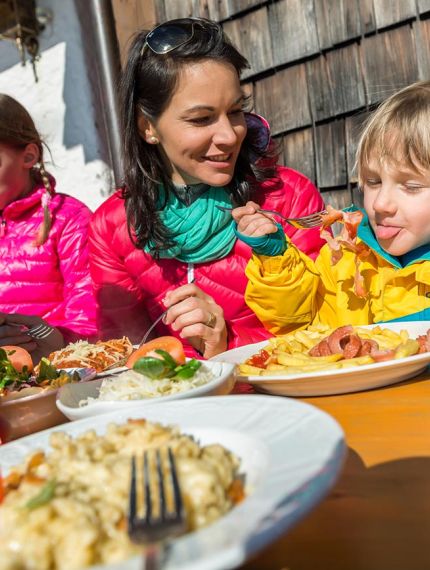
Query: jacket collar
x=18, y=207
x=365, y=233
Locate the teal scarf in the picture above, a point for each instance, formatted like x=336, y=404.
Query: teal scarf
x=200, y=232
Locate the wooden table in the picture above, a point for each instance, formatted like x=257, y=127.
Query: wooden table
x=378, y=515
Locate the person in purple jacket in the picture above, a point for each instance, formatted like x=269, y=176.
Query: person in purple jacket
x=44, y=275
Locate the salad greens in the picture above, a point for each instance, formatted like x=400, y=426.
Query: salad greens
x=11, y=380
x=8, y=373
x=166, y=367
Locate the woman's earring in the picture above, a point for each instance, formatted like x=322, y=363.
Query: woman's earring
x=153, y=140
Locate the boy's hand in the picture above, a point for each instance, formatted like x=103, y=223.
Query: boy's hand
x=252, y=223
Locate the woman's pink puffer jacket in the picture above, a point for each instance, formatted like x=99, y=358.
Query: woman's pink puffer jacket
x=51, y=281
x=130, y=285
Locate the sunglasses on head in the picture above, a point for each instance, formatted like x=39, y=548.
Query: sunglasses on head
x=175, y=33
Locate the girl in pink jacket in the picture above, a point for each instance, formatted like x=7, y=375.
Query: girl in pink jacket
x=188, y=146
x=44, y=274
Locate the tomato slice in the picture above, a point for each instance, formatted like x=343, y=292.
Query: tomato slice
x=170, y=344
x=19, y=357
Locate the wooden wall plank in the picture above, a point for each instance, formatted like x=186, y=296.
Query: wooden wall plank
x=125, y=14
x=422, y=41
x=337, y=21
x=353, y=129
x=357, y=195
x=367, y=16
x=339, y=198
x=423, y=6
x=330, y=154
x=283, y=99
x=160, y=10
x=223, y=9
x=388, y=12
x=146, y=13
x=328, y=95
x=251, y=35
x=299, y=152
x=390, y=62
x=180, y=9
x=218, y=9
x=293, y=30
x=320, y=89
x=348, y=94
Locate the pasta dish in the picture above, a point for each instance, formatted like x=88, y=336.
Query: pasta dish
x=101, y=355
x=67, y=509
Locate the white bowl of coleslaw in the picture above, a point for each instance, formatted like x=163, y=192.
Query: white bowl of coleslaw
x=131, y=389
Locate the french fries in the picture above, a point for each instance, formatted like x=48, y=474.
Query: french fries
x=289, y=354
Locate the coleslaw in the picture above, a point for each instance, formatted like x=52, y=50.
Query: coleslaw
x=131, y=385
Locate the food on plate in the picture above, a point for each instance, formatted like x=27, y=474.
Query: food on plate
x=68, y=508
x=153, y=376
x=348, y=239
x=169, y=344
x=101, y=356
x=17, y=381
x=320, y=348
x=19, y=358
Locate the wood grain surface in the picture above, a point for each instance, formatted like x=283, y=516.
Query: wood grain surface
x=377, y=517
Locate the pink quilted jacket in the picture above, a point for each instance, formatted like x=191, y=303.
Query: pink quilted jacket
x=130, y=284
x=51, y=281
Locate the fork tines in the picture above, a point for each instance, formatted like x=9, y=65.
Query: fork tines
x=40, y=331
x=160, y=494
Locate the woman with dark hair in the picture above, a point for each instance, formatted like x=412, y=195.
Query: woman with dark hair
x=188, y=146
x=44, y=274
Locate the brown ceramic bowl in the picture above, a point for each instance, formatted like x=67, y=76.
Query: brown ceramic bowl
x=21, y=416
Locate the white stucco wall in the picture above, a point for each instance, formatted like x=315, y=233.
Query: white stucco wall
x=61, y=104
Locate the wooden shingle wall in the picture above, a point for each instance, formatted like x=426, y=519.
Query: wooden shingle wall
x=317, y=68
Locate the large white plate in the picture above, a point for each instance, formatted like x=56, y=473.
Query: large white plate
x=342, y=381
x=70, y=395
x=290, y=452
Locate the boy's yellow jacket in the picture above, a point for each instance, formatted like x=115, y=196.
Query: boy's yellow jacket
x=291, y=291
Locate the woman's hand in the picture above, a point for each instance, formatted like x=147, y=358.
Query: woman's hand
x=13, y=329
x=252, y=223
x=198, y=318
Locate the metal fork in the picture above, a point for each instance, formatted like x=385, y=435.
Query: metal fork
x=157, y=320
x=304, y=223
x=152, y=327
x=163, y=515
x=39, y=331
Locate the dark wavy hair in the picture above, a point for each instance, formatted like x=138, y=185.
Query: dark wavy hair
x=147, y=85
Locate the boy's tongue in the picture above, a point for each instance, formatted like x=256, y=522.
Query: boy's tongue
x=386, y=232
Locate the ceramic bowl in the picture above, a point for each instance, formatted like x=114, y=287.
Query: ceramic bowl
x=70, y=395
x=24, y=415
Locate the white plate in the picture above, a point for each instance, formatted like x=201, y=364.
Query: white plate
x=290, y=452
x=116, y=370
x=70, y=395
x=342, y=381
